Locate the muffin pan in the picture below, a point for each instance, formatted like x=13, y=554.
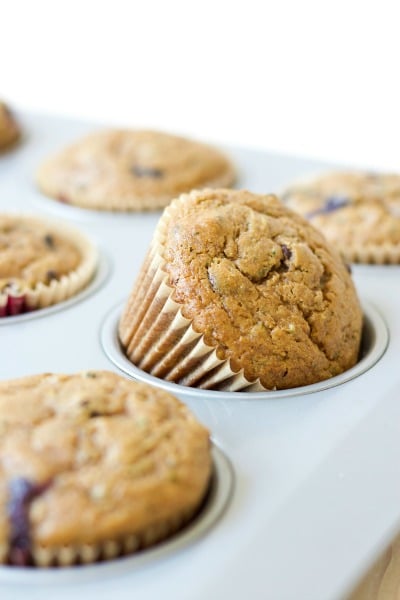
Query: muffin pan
x=317, y=491
x=375, y=339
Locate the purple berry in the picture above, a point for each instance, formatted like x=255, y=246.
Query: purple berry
x=286, y=251
x=3, y=309
x=21, y=493
x=334, y=202
x=151, y=172
x=49, y=241
x=15, y=305
x=331, y=204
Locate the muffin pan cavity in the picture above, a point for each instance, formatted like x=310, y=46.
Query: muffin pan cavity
x=375, y=339
x=216, y=502
x=324, y=459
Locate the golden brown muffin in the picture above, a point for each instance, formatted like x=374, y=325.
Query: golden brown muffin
x=239, y=292
x=359, y=213
x=9, y=129
x=41, y=263
x=125, y=170
x=93, y=465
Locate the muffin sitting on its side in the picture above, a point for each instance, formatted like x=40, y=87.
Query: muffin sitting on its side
x=238, y=292
x=94, y=466
x=127, y=170
x=9, y=130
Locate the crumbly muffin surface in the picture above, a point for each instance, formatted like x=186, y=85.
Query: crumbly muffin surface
x=131, y=170
x=263, y=286
x=9, y=130
x=31, y=253
x=110, y=457
x=352, y=209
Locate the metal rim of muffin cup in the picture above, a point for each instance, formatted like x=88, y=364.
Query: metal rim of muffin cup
x=102, y=273
x=375, y=340
x=214, y=506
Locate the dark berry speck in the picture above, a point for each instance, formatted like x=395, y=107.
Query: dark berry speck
x=94, y=413
x=151, y=172
x=286, y=251
x=49, y=241
x=331, y=204
x=21, y=493
x=51, y=274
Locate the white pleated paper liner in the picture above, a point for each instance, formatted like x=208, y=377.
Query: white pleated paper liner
x=375, y=339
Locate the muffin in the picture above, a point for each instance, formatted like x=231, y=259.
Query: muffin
x=237, y=292
x=359, y=213
x=9, y=130
x=382, y=582
x=127, y=170
x=41, y=263
x=94, y=466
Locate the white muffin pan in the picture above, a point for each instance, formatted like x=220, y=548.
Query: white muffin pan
x=374, y=342
x=317, y=491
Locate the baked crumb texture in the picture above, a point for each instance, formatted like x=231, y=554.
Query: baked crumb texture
x=239, y=292
x=124, y=170
x=93, y=466
x=359, y=213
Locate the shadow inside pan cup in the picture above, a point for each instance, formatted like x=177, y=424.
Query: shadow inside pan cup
x=215, y=503
x=375, y=339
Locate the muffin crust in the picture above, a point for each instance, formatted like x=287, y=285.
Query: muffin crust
x=113, y=458
x=131, y=170
x=358, y=212
x=42, y=263
x=260, y=283
x=33, y=254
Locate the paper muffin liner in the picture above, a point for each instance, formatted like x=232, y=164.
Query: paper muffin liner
x=382, y=254
x=159, y=339
x=16, y=301
x=87, y=553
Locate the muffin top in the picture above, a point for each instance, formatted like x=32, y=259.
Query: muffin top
x=31, y=253
x=353, y=209
x=262, y=285
x=98, y=457
x=9, y=130
x=131, y=170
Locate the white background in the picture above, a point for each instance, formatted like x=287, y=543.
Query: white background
x=307, y=77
